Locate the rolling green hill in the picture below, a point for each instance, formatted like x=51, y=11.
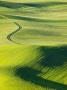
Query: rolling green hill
x=33, y=45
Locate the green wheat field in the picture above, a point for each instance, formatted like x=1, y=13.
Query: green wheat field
x=33, y=44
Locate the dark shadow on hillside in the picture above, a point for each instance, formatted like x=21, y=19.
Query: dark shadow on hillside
x=50, y=57
x=31, y=75
x=13, y=5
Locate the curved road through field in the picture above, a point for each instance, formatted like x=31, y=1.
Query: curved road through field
x=19, y=28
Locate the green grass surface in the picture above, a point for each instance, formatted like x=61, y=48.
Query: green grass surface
x=33, y=45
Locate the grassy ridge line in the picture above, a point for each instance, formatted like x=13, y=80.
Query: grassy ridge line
x=37, y=5
x=27, y=1
x=45, y=10
x=33, y=19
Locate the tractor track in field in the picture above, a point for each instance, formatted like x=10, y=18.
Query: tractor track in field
x=18, y=29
